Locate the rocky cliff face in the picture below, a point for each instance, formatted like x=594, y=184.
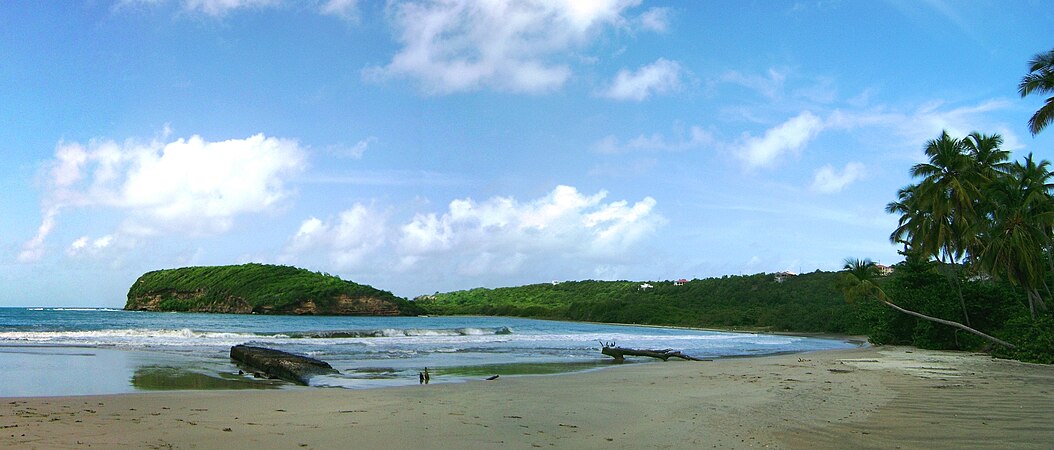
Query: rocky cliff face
x=345, y=305
x=231, y=305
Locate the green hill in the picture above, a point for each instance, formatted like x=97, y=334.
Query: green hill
x=260, y=289
x=803, y=303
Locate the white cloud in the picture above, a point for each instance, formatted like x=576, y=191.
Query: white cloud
x=499, y=235
x=93, y=246
x=656, y=19
x=788, y=137
x=828, y=181
x=347, y=241
x=660, y=77
x=694, y=137
x=187, y=187
x=565, y=223
x=517, y=46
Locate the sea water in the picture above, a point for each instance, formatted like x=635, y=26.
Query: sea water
x=78, y=351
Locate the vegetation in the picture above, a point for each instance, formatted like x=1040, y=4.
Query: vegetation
x=859, y=281
x=1040, y=79
x=257, y=288
x=972, y=212
x=804, y=303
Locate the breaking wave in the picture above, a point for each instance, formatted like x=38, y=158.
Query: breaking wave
x=188, y=337
x=397, y=332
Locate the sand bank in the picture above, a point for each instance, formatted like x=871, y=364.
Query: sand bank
x=883, y=397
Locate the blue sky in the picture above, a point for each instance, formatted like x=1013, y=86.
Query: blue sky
x=423, y=146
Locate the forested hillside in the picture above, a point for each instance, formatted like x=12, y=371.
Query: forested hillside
x=260, y=288
x=805, y=303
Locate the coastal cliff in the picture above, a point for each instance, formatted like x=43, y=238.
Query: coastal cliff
x=260, y=289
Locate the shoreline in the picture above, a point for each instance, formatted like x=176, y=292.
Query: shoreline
x=865, y=397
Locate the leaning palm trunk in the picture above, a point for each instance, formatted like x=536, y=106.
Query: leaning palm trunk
x=858, y=281
x=882, y=298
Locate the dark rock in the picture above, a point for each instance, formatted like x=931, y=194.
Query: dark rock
x=278, y=364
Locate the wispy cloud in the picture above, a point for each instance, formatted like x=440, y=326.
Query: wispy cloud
x=680, y=140
x=661, y=77
x=769, y=86
x=828, y=181
x=355, y=151
x=785, y=138
x=345, y=9
x=656, y=19
x=515, y=46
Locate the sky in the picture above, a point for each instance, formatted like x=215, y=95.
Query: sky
x=424, y=146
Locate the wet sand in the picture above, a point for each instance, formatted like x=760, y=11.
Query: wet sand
x=882, y=397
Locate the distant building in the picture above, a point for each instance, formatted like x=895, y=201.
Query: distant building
x=781, y=276
x=645, y=286
x=884, y=270
x=680, y=282
x=555, y=282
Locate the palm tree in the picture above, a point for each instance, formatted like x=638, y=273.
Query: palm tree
x=858, y=282
x=1022, y=223
x=948, y=191
x=1040, y=79
x=989, y=166
x=913, y=219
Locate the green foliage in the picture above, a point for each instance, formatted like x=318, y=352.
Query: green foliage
x=1040, y=80
x=1036, y=337
x=995, y=307
x=265, y=288
x=805, y=303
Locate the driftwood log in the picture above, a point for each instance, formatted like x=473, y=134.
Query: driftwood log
x=278, y=364
x=620, y=353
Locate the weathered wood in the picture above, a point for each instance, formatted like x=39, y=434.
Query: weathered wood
x=278, y=364
x=620, y=353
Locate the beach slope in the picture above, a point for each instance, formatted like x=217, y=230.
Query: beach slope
x=884, y=397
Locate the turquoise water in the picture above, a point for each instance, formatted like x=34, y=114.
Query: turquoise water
x=61, y=351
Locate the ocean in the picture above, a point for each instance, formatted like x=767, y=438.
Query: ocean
x=84, y=351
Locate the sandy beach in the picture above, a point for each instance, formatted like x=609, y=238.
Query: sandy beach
x=879, y=397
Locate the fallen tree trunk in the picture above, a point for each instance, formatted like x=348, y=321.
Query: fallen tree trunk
x=620, y=353
x=278, y=364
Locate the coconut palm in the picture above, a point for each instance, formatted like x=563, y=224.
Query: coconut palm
x=948, y=194
x=912, y=217
x=859, y=282
x=989, y=160
x=947, y=191
x=990, y=164
x=1017, y=240
x=1040, y=79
